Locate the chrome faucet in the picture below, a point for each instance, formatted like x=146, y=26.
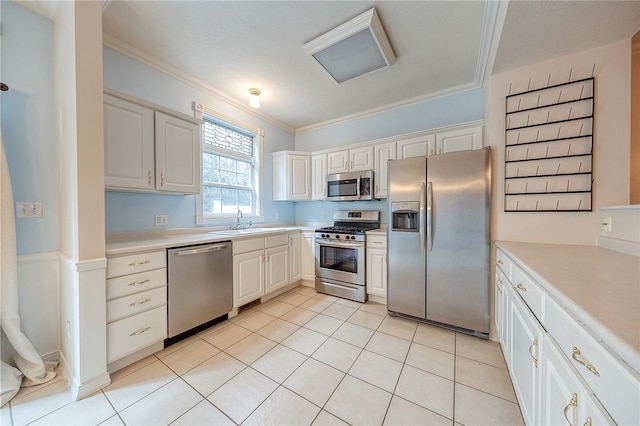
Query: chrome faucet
x=239, y=215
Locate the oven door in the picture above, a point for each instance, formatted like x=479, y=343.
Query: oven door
x=342, y=261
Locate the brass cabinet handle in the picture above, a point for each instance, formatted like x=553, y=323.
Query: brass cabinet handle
x=578, y=357
x=535, y=360
x=521, y=287
x=161, y=179
x=140, y=262
x=572, y=403
x=149, y=176
x=140, y=302
x=139, y=282
x=500, y=262
x=589, y=422
x=142, y=330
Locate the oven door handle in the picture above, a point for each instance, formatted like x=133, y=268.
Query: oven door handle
x=345, y=244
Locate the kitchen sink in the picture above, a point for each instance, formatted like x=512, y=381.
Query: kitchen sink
x=246, y=231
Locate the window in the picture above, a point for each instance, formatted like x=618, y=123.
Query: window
x=230, y=171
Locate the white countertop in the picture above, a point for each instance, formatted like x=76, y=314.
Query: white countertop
x=599, y=287
x=149, y=241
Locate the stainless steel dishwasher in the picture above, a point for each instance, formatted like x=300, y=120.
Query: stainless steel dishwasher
x=200, y=287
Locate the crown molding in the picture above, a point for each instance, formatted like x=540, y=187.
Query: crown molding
x=186, y=78
x=43, y=8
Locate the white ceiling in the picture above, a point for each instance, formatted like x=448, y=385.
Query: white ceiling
x=442, y=47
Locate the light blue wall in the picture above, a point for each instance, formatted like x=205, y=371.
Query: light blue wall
x=136, y=212
x=28, y=122
x=446, y=111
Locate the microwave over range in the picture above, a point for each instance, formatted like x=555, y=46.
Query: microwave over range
x=353, y=186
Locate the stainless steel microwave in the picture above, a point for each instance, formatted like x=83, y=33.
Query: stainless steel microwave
x=353, y=186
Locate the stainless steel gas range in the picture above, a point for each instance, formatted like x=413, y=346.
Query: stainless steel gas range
x=340, y=254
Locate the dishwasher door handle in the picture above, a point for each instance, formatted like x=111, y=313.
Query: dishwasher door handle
x=207, y=249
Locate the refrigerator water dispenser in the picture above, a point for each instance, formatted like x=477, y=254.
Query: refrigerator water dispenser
x=404, y=216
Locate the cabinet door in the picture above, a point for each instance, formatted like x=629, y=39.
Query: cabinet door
x=498, y=294
x=338, y=162
x=248, y=277
x=177, y=155
x=525, y=349
x=382, y=154
x=319, y=177
x=308, y=257
x=416, y=147
x=298, y=176
x=128, y=145
x=377, y=272
x=277, y=267
x=295, y=258
x=361, y=159
x=459, y=140
x=563, y=394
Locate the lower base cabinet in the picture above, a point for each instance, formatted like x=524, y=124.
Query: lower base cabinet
x=376, y=265
x=248, y=277
x=277, y=267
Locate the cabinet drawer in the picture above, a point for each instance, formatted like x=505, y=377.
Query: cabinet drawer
x=276, y=240
x=504, y=263
x=134, y=333
x=376, y=241
x=530, y=291
x=136, y=303
x=244, y=246
x=134, y=283
x=124, y=265
x=617, y=387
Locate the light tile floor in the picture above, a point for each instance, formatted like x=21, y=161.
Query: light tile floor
x=303, y=358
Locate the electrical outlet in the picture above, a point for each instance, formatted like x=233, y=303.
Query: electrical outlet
x=324, y=215
x=67, y=330
x=28, y=209
x=277, y=216
x=162, y=219
x=606, y=224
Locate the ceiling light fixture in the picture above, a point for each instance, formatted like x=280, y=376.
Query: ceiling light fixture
x=357, y=47
x=254, y=102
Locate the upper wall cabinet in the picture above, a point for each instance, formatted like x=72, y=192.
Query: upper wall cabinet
x=441, y=142
x=318, y=176
x=291, y=176
x=382, y=154
x=350, y=160
x=148, y=150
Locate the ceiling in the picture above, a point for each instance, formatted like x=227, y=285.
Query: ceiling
x=442, y=47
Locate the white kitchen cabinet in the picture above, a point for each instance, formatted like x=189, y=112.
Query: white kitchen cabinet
x=525, y=348
x=248, y=277
x=150, y=150
x=295, y=257
x=291, y=176
x=376, y=265
x=459, y=140
x=418, y=146
x=308, y=256
x=350, y=160
x=178, y=153
x=382, y=153
x=318, y=176
x=136, y=303
x=276, y=268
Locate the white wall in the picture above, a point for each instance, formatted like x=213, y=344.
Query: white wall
x=611, y=144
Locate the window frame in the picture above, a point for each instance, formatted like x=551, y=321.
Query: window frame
x=258, y=137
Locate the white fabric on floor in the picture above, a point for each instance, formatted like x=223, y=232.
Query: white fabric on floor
x=26, y=357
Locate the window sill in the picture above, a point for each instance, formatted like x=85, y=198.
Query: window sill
x=228, y=219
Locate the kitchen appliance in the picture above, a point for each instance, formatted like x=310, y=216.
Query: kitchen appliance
x=438, y=239
x=354, y=186
x=200, y=288
x=340, y=254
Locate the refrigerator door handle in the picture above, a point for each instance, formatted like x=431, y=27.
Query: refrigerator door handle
x=422, y=215
x=429, y=215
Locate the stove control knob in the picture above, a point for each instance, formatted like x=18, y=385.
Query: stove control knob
x=353, y=237
x=338, y=236
x=325, y=236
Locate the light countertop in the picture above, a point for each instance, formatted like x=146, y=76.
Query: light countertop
x=150, y=241
x=599, y=287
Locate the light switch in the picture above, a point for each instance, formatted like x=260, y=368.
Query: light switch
x=28, y=209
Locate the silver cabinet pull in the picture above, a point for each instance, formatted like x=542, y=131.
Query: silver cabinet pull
x=521, y=287
x=534, y=359
x=140, y=262
x=161, y=178
x=149, y=176
x=140, y=302
x=142, y=330
x=578, y=357
x=572, y=403
x=139, y=282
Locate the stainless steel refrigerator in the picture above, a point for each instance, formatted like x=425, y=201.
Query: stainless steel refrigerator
x=439, y=239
